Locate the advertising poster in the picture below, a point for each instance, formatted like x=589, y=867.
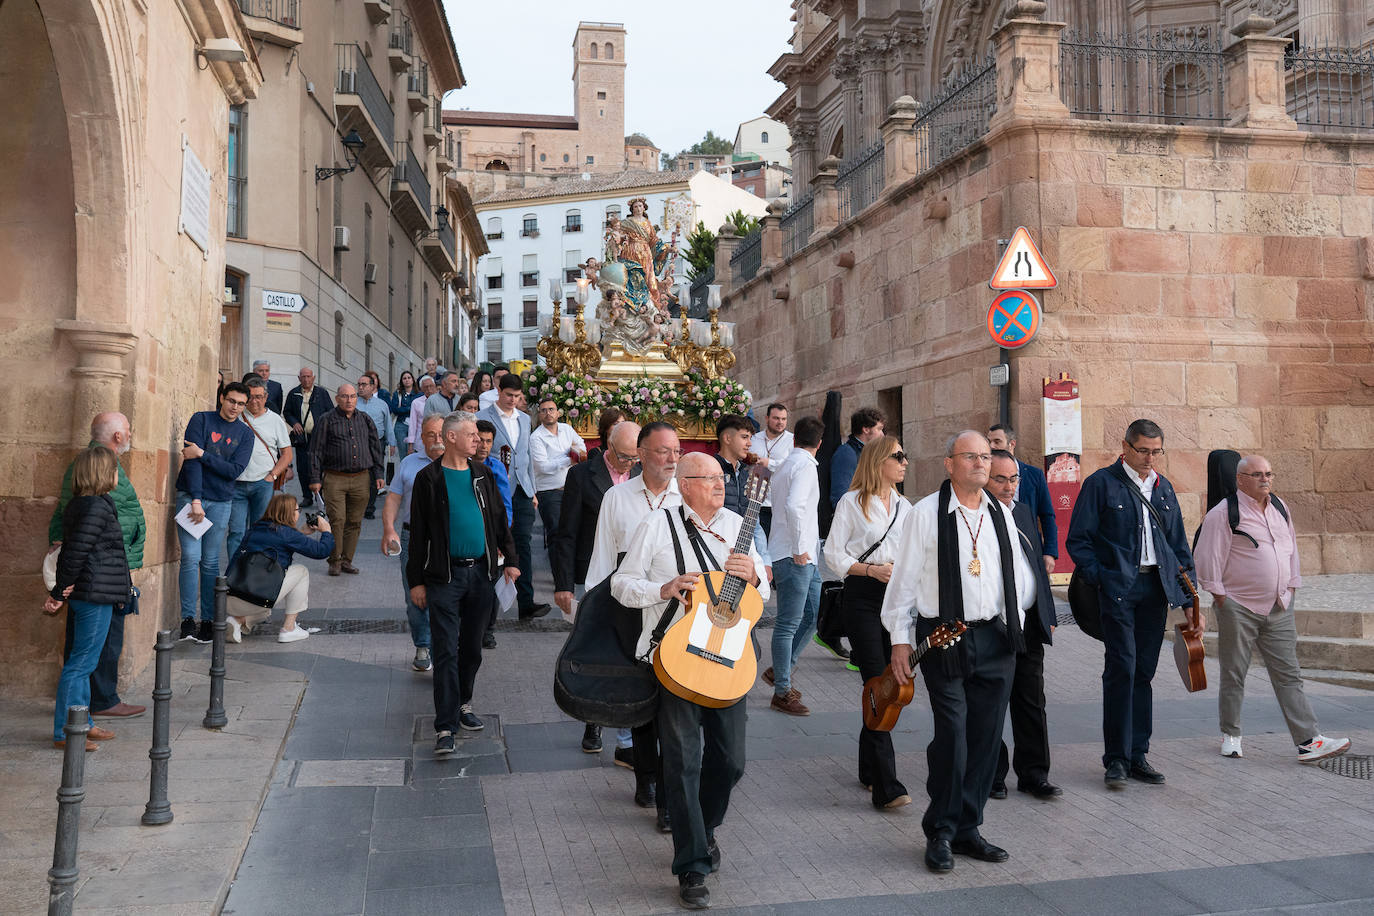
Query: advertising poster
x=1063, y=431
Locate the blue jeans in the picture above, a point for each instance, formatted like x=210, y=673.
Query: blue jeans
x=200, y=558
x=799, y=597
x=249, y=503
x=74, y=686
x=418, y=616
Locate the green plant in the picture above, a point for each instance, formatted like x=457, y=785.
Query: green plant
x=701, y=251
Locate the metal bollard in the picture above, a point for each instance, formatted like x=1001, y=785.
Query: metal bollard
x=214, y=714
x=62, y=876
x=158, y=810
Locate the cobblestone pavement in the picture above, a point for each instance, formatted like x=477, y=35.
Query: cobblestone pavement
x=360, y=818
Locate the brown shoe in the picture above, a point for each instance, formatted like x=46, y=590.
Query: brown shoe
x=99, y=734
x=349, y=568
x=792, y=705
x=122, y=711
x=333, y=569
x=90, y=745
x=901, y=801
x=768, y=675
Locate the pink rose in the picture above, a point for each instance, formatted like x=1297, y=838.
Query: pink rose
x=574, y=412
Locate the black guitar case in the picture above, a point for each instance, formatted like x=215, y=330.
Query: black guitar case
x=597, y=679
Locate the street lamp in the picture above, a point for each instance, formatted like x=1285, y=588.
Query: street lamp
x=441, y=222
x=353, y=147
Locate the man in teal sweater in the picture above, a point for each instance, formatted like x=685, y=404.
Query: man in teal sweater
x=111, y=430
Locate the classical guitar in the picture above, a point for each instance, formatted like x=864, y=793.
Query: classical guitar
x=883, y=698
x=1188, y=652
x=707, y=657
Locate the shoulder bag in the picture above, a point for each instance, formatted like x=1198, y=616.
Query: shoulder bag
x=829, y=617
x=280, y=480
x=256, y=578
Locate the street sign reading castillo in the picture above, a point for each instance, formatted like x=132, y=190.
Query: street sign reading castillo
x=1013, y=319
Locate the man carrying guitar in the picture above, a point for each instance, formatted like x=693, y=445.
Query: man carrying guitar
x=702, y=747
x=960, y=560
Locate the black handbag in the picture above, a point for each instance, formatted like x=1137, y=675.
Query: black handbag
x=256, y=578
x=829, y=615
x=1087, y=613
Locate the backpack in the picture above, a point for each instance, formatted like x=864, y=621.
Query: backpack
x=1233, y=516
x=1221, y=486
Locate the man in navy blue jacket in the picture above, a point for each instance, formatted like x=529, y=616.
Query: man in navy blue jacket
x=1133, y=556
x=1032, y=491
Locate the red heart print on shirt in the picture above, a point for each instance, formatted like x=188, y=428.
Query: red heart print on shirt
x=215, y=437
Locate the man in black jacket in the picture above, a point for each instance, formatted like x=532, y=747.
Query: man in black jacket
x=304, y=406
x=457, y=529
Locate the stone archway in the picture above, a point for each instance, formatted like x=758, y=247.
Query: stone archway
x=959, y=36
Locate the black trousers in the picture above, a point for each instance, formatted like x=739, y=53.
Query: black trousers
x=703, y=758
x=522, y=529
x=300, y=450
x=458, y=615
x=1132, y=632
x=870, y=648
x=766, y=520
x=969, y=709
x=105, y=677
x=1030, y=729
x=648, y=761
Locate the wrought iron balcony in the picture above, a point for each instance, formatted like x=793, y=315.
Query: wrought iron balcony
x=410, y=192
x=362, y=106
x=274, y=21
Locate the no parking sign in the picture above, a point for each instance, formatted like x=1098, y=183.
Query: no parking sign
x=1013, y=319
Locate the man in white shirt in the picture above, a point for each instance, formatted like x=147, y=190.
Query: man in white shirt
x=271, y=457
x=958, y=561
x=417, y=412
x=553, y=446
x=703, y=747
x=771, y=446
x=795, y=550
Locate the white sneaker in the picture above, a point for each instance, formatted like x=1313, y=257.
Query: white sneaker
x=1230, y=746
x=235, y=630
x=1320, y=747
x=293, y=635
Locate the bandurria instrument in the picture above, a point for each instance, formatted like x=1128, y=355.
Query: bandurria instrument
x=707, y=657
x=1188, y=651
x=883, y=698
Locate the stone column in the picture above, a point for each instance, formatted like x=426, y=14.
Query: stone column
x=726, y=244
x=771, y=241
x=900, y=160
x=825, y=212
x=99, y=372
x=1320, y=23
x=803, y=156
x=873, y=83
x=1255, y=93
x=1027, y=65
x=846, y=70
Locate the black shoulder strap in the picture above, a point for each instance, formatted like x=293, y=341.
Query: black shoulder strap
x=1154, y=513
x=896, y=511
x=705, y=558
x=1233, y=518
x=662, y=626
x=1283, y=510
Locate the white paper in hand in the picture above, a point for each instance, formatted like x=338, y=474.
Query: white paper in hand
x=195, y=529
x=505, y=594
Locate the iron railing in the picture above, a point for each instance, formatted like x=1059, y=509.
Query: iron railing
x=796, y=225
x=237, y=186
x=697, y=294
x=1330, y=89
x=283, y=12
x=449, y=241
x=412, y=171
x=1174, y=76
x=436, y=115
x=747, y=259
x=957, y=116
x=449, y=149
x=417, y=80
x=402, y=37
x=860, y=181
x=355, y=77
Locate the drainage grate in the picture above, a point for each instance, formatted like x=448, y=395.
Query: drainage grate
x=1353, y=766
x=341, y=626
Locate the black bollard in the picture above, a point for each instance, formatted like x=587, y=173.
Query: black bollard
x=62, y=875
x=214, y=714
x=158, y=810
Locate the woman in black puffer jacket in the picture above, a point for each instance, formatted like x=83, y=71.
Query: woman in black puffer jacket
x=93, y=576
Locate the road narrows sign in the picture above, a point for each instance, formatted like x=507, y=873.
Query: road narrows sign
x=1022, y=266
x=1013, y=319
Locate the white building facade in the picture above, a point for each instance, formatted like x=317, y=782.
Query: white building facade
x=540, y=234
x=766, y=138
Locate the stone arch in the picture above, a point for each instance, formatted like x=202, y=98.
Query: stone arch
x=497, y=165
x=959, y=36
x=836, y=146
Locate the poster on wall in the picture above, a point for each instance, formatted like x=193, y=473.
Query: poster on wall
x=1062, y=415
x=194, y=219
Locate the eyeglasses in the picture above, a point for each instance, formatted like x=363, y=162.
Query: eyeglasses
x=899, y=457
x=714, y=478
x=980, y=457
x=665, y=452
x=621, y=456
x=1151, y=452
x=1259, y=475
x=235, y=402
x=1000, y=479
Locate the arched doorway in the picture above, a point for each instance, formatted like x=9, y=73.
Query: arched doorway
x=497, y=165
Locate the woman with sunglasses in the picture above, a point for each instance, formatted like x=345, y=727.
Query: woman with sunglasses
x=863, y=541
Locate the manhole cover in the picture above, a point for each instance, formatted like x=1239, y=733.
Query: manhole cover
x=1353, y=766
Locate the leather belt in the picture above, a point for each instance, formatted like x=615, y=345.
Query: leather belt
x=1149, y=569
x=462, y=561
x=971, y=624
x=346, y=473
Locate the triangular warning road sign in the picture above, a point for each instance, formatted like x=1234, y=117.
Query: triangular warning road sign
x=1022, y=267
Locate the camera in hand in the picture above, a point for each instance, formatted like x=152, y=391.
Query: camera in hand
x=313, y=516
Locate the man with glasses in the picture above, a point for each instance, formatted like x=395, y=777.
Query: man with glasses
x=570, y=548
x=1126, y=538
x=271, y=457
x=512, y=448
x=304, y=406
x=373, y=402
x=554, y=447
x=1031, y=491
x=215, y=450
x=347, y=459
x=1247, y=557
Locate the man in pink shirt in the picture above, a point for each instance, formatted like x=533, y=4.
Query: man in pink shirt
x=1252, y=572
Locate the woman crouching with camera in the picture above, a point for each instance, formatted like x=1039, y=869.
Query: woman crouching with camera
x=863, y=541
x=92, y=576
x=276, y=535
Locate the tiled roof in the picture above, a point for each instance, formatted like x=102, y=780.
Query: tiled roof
x=509, y=119
x=611, y=181
x=638, y=139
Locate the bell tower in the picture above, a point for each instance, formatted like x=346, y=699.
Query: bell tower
x=599, y=95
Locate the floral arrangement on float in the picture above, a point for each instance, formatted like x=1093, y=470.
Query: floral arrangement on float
x=577, y=396
x=698, y=403
x=712, y=398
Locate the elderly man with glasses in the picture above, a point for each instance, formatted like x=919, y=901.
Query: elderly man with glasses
x=1126, y=538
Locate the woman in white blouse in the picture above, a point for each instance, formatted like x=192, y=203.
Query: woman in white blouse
x=862, y=544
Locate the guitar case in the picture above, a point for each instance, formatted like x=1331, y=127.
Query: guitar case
x=597, y=679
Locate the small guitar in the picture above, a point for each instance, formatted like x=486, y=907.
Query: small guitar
x=1188, y=651
x=707, y=657
x=883, y=698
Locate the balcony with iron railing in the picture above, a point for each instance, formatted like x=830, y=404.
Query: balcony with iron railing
x=410, y=191
x=237, y=186
x=434, y=123
x=274, y=21
x=444, y=155
x=417, y=85
x=361, y=105
x=400, y=44
x=378, y=11
x=440, y=248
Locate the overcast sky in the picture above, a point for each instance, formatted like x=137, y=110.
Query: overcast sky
x=691, y=66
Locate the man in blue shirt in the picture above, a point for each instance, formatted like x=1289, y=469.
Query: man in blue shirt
x=1032, y=490
x=397, y=506
x=487, y=432
x=372, y=401
x=216, y=449
x=865, y=425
